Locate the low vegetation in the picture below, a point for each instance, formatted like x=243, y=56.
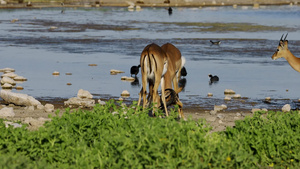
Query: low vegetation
x=114, y=136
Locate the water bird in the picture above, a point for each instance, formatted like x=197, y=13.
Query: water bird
x=134, y=70
x=213, y=79
x=170, y=10
x=183, y=71
x=215, y=43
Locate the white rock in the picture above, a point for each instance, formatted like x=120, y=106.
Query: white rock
x=220, y=107
x=20, y=78
x=286, y=108
x=15, y=125
x=8, y=80
x=113, y=71
x=237, y=96
x=18, y=98
x=7, y=70
x=84, y=94
x=49, y=108
x=7, y=112
x=125, y=93
x=3, y=2
x=56, y=73
x=127, y=78
x=227, y=98
x=75, y=101
x=40, y=107
x=7, y=86
x=10, y=74
x=209, y=94
x=30, y=108
x=229, y=91
x=213, y=112
x=268, y=98
x=101, y=102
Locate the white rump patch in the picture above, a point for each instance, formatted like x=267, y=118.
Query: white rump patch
x=182, y=61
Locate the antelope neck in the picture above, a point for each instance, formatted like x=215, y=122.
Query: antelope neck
x=293, y=61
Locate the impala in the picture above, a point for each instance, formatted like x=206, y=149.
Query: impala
x=283, y=51
x=154, y=65
x=175, y=64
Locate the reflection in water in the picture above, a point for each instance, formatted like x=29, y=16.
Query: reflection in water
x=136, y=82
x=182, y=83
x=183, y=71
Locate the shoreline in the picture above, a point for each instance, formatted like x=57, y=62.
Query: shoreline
x=115, y=3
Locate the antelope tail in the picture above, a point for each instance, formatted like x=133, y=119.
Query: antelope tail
x=182, y=61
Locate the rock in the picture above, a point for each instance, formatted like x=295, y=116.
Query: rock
x=221, y=116
x=227, y=98
x=286, y=108
x=268, y=98
x=19, y=88
x=8, y=80
x=238, y=114
x=220, y=107
x=125, y=93
x=10, y=74
x=30, y=108
x=69, y=74
x=18, y=98
x=55, y=73
x=93, y=65
x=213, y=112
x=209, y=94
x=127, y=78
x=229, y=91
x=20, y=78
x=7, y=70
x=237, y=96
x=101, y=102
x=113, y=71
x=7, y=112
x=49, y=108
x=7, y=86
x=40, y=107
x=69, y=84
x=3, y=2
x=75, y=101
x=84, y=94
x=264, y=109
x=15, y=125
x=35, y=123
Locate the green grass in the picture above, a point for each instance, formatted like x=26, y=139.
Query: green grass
x=99, y=139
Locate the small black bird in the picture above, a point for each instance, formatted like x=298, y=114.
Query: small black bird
x=215, y=43
x=134, y=70
x=170, y=10
x=183, y=71
x=213, y=78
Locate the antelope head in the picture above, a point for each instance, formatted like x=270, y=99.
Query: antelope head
x=282, y=48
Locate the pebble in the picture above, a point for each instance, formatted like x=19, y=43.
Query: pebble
x=220, y=116
x=49, y=108
x=20, y=78
x=68, y=73
x=209, y=94
x=19, y=88
x=268, y=98
x=101, y=102
x=213, y=112
x=69, y=84
x=93, y=65
x=113, y=71
x=127, y=78
x=55, y=73
x=7, y=70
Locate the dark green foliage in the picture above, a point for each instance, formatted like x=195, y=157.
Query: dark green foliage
x=106, y=137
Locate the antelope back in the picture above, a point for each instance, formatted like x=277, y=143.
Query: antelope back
x=153, y=61
x=174, y=60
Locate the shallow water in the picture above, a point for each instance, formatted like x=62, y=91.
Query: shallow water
x=113, y=38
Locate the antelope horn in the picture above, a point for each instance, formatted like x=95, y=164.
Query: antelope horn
x=281, y=37
x=285, y=36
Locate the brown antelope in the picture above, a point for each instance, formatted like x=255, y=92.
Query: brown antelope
x=175, y=63
x=283, y=51
x=154, y=65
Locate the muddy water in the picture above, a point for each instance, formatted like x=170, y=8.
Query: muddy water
x=42, y=41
